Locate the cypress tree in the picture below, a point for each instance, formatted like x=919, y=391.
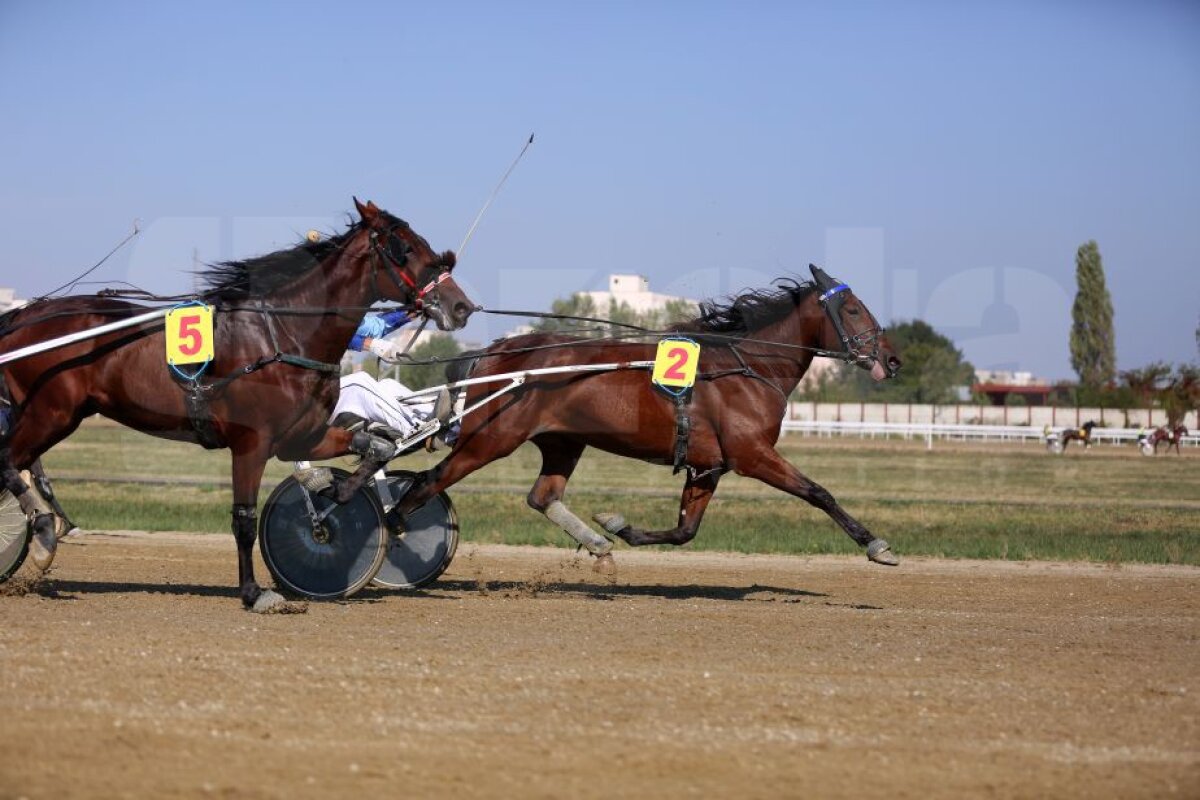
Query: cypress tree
x=1093, y=345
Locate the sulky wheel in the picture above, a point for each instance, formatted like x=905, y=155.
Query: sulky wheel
x=425, y=549
x=14, y=535
x=334, y=556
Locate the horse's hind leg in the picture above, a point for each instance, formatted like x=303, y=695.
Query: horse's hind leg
x=44, y=543
x=774, y=470
x=696, y=493
x=38, y=428
x=46, y=489
x=559, y=457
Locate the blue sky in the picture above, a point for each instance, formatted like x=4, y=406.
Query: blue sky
x=944, y=158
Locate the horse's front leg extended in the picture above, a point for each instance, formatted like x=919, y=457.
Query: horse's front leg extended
x=374, y=450
x=774, y=470
x=696, y=493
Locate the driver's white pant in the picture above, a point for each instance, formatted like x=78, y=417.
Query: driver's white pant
x=379, y=401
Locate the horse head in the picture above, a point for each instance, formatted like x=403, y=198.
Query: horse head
x=851, y=328
x=415, y=274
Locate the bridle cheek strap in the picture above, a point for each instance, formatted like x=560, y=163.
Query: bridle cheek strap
x=831, y=300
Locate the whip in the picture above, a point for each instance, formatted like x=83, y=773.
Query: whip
x=492, y=197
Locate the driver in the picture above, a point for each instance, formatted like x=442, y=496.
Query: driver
x=365, y=401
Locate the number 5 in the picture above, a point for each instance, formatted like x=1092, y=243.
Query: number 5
x=187, y=330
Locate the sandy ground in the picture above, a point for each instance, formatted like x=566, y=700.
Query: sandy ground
x=132, y=671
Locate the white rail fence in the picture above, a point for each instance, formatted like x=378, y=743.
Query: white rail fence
x=960, y=433
x=1030, y=416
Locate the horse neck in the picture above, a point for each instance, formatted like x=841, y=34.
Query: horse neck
x=343, y=281
x=799, y=329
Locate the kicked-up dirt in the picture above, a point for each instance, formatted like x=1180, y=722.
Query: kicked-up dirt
x=132, y=671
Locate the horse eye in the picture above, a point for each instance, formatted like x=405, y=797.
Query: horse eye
x=852, y=311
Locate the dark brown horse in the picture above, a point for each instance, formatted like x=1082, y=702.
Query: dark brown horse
x=283, y=322
x=1082, y=435
x=754, y=351
x=1173, y=438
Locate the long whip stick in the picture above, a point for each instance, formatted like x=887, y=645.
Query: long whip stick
x=492, y=197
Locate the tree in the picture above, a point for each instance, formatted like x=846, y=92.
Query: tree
x=582, y=305
x=933, y=370
x=421, y=376
x=1093, y=347
x=1145, y=382
x=1182, y=394
x=577, y=305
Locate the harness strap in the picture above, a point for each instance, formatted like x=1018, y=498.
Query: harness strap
x=683, y=430
x=198, y=396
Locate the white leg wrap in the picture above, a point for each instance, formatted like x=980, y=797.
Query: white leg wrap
x=577, y=529
x=314, y=479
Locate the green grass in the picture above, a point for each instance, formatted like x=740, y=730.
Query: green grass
x=957, y=501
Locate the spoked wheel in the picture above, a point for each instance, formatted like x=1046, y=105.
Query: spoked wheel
x=425, y=549
x=335, y=554
x=14, y=535
x=1146, y=448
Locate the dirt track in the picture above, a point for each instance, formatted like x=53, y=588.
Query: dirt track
x=134, y=672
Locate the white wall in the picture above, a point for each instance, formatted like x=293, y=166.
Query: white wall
x=1036, y=416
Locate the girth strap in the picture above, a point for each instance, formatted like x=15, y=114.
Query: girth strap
x=683, y=430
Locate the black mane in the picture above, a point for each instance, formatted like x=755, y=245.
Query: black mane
x=749, y=311
x=262, y=275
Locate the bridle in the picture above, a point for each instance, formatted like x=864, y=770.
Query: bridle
x=392, y=254
x=832, y=299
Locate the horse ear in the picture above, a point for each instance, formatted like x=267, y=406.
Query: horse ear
x=369, y=212
x=822, y=280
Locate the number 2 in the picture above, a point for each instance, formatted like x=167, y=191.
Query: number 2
x=187, y=330
x=675, y=371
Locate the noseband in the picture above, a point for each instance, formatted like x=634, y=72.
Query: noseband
x=855, y=346
x=393, y=254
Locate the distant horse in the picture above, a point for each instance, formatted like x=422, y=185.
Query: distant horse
x=282, y=323
x=1173, y=438
x=754, y=351
x=1083, y=434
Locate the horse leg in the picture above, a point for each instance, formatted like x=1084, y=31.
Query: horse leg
x=375, y=451
x=467, y=456
x=774, y=470
x=39, y=427
x=249, y=460
x=44, y=487
x=559, y=457
x=697, y=491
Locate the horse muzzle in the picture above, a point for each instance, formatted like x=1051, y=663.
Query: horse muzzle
x=882, y=370
x=449, y=321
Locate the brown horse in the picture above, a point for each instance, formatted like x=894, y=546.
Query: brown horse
x=283, y=322
x=754, y=351
x=1173, y=438
x=1083, y=435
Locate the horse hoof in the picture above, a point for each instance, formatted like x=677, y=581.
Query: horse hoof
x=44, y=543
x=605, y=564
x=314, y=479
x=613, y=523
x=880, y=552
x=270, y=602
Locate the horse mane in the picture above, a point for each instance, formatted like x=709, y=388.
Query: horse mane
x=750, y=310
x=262, y=275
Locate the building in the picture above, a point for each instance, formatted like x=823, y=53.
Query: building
x=634, y=291
x=998, y=385
x=9, y=299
